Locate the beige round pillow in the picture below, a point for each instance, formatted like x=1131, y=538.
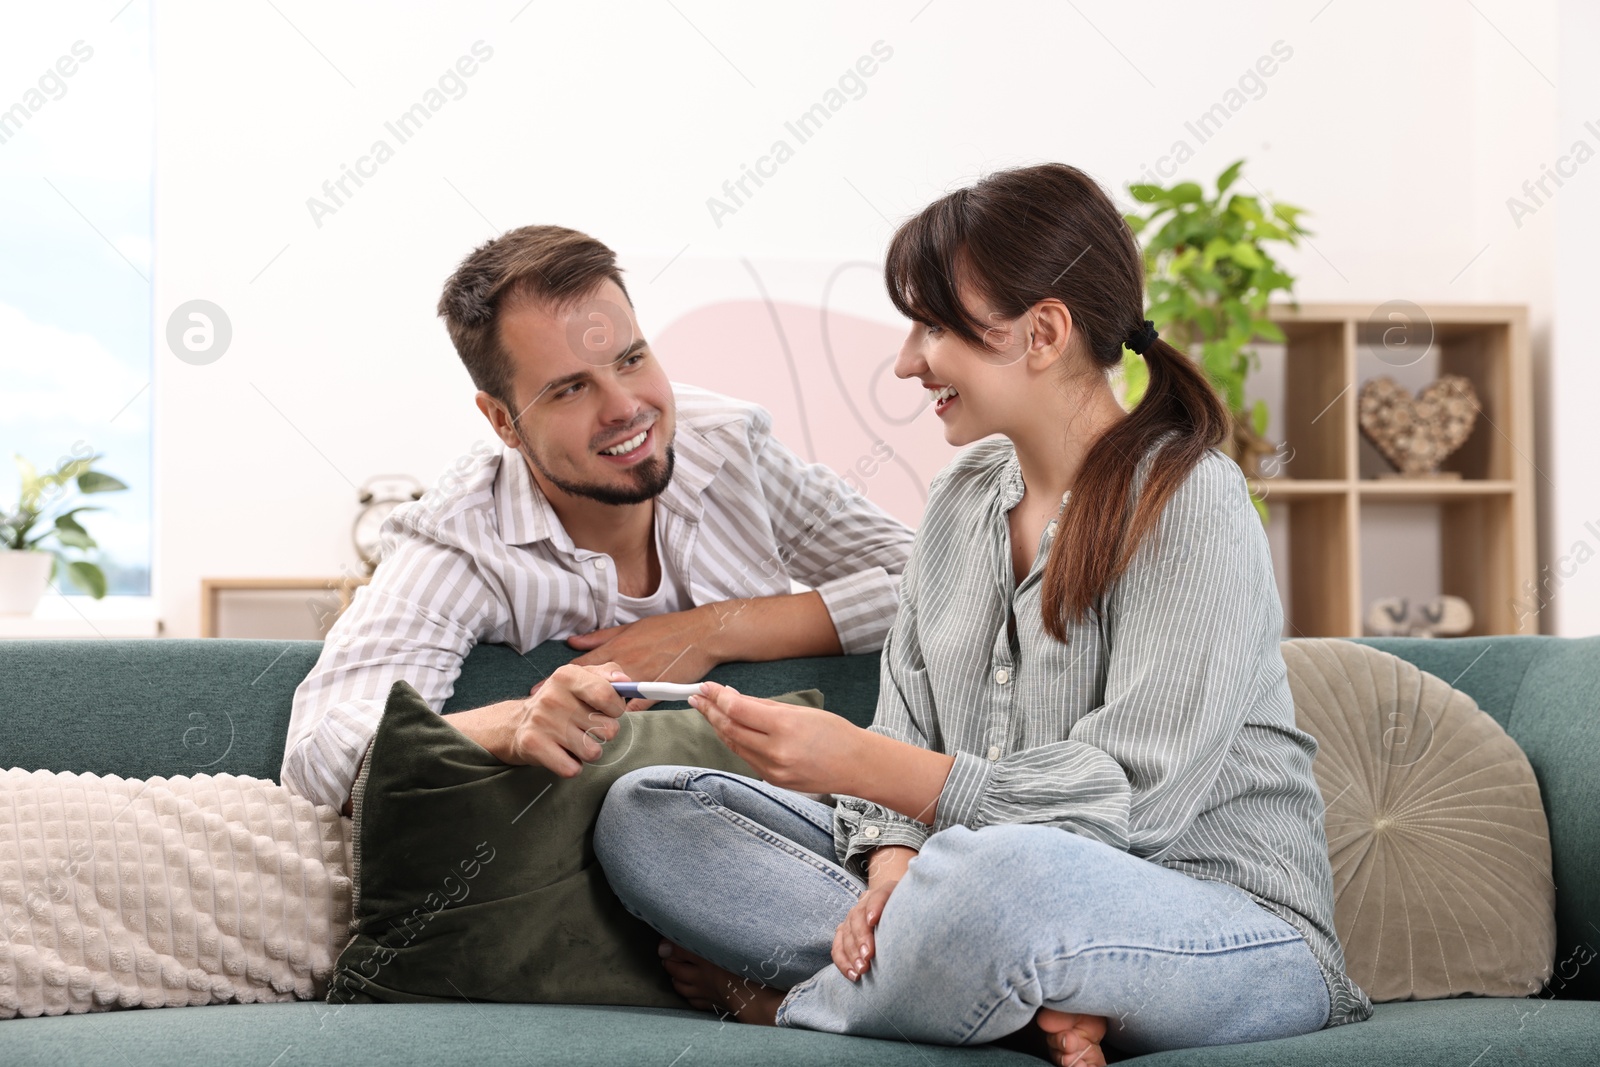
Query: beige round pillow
x=1437, y=837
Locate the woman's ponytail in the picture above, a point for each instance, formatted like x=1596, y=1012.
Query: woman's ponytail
x=1103, y=526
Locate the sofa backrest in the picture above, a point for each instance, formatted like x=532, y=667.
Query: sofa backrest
x=141, y=709
x=145, y=708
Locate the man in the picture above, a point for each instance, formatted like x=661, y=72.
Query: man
x=654, y=525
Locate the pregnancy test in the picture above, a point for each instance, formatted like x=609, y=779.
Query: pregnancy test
x=656, y=690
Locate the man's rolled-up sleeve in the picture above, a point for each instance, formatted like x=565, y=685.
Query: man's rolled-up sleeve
x=425, y=608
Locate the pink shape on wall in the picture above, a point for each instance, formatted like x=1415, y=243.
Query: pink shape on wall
x=828, y=379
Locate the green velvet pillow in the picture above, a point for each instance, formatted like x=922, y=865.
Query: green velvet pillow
x=479, y=880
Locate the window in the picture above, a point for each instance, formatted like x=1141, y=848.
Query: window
x=76, y=158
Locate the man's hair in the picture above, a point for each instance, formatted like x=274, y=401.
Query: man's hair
x=547, y=264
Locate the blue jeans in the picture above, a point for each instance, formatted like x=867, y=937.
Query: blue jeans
x=986, y=927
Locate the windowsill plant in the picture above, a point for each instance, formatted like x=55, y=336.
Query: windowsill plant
x=47, y=512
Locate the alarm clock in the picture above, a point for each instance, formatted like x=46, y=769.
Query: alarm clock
x=378, y=497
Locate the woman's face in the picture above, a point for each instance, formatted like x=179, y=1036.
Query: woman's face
x=975, y=391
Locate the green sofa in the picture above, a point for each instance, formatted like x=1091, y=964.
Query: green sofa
x=146, y=708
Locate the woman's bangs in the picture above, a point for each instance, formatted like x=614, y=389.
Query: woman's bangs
x=920, y=267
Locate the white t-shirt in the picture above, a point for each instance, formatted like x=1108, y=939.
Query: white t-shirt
x=670, y=595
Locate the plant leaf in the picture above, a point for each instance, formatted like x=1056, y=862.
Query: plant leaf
x=1226, y=178
x=96, y=482
x=1245, y=255
x=89, y=577
x=30, y=483
x=1269, y=330
x=69, y=533
x=1135, y=376
x=1216, y=248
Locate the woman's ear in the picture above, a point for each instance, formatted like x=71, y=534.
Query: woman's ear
x=1051, y=331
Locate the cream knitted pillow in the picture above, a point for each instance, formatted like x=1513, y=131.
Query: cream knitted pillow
x=1437, y=837
x=119, y=893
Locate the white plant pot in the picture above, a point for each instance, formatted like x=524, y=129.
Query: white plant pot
x=24, y=576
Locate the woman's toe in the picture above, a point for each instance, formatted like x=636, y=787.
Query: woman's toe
x=1092, y=1027
x=1077, y=1052
x=1073, y=1038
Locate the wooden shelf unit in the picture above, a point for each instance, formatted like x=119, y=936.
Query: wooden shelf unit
x=1487, y=551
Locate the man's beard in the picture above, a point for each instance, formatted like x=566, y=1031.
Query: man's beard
x=650, y=478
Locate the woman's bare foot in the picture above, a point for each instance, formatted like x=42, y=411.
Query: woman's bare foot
x=1072, y=1038
x=708, y=987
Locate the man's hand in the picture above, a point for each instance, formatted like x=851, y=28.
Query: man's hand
x=560, y=725
x=808, y=750
x=675, y=647
x=683, y=646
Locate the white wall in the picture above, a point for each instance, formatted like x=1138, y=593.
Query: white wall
x=1402, y=127
x=1569, y=579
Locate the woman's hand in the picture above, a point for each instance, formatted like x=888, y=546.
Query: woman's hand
x=854, y=943
x=808, y=750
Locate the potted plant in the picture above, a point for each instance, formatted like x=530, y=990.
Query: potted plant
x=1210, y=276
x=27, y=563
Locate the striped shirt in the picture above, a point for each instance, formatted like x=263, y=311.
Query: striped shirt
x=1163, y=726
x=490, y=561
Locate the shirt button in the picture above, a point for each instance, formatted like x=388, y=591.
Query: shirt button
x=871, y=831
x=994, y=752
x=1002, y=676
x=344, y=642
x=600, y=563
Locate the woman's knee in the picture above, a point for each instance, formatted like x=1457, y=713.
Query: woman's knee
x=956, y=885
x=631, y=807
x=1010, y=854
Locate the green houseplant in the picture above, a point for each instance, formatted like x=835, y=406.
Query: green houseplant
x=43, y=515
x=1210, y=276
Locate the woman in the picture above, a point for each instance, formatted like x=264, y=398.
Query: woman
x=1083, y=807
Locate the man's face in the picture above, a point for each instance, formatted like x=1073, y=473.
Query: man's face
x=586, y=382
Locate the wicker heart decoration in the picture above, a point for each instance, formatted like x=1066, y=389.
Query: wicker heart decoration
x=1417, y=433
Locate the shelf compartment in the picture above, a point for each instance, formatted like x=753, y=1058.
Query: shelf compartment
x=1322, y=539
x=1473, y=534
x=1317, y=402
x=1472, y=531
x=1477, y=351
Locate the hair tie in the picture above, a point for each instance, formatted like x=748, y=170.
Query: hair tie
x=1140, y=338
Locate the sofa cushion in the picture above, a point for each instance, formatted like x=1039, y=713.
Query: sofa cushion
x=313, y=1034
x=479, y=880
x=120, y=893
x=1541, y=689
x=1461, y=1032
x=1440, y=1033
x=1436, y=833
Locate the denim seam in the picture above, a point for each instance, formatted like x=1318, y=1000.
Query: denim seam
x=981, y=1013
x=779, y=842
x=684, y=777
x=783, y=1005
